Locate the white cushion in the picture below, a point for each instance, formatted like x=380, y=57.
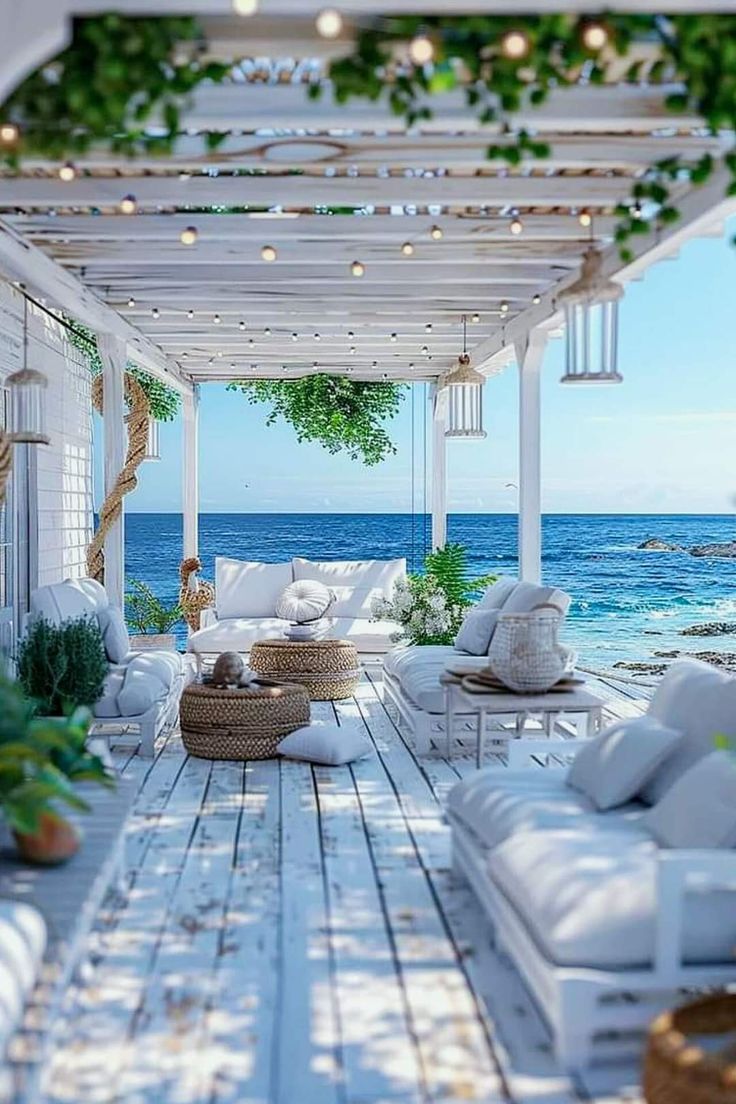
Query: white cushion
x=164, y=666
x=700, y=701
x=304, y=600
x=404, y=655
x=355, y=583
x=498, y=593
x=588, y=899
x=495, y=803
x=140, y=692
x=371, y=637
x=476, y=631
x=331, y=744
x=699, y=810
x=22, y=945
x=68, y=600
x=107, y=706
x=114, y=634
x=527, y=597
x=613, y=766
x=236, y=634
x=249, y=588
x=419, y=678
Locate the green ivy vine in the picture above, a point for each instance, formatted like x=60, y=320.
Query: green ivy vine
x=697, y=51
x=340, y=414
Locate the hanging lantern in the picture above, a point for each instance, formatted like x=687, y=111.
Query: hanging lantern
x=591, y=323
x=27, y=391
x=153, y=443
x=465, y=398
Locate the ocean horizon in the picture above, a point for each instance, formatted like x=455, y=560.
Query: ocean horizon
x=627, y=603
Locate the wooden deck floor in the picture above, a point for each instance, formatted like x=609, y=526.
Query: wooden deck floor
x=292, y=935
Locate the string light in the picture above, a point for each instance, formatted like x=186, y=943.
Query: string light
x=516, y=226
x=155, y=313
x=241, y=325
x=425, y=350
x=268, y=253
x=515, y=45
x=351, y=335
x=329, y=23
x=295, y=337
x=9, y=134
x=635, y=210
x=504, y=307
x=190, y=314
x=594, y=35
x=67, y=172
x=421, y=49
x=407, y=249
x=357, y=268
x=536, y=299
x=436, y=233
x=245, y=7
x=394, y=338
x=131, y=302
x=585, y=219
x=428, y=328
x=352, y=350
x=475, y=317
x=317, y=337
x=217, y=320
x=128, y=205
x=189, y=235
x=267, y=331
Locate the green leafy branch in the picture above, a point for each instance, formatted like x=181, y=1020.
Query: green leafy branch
x=146, y=613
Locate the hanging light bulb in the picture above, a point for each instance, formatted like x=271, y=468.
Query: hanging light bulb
x=189, y=235
x=635, y=210
x=351, y=335
x=407, y=249
x=9, y=134
x=268, y=253
x=594, y=35
x=516, y=226
x=536, y=299
x=475, y=318
x=155, y=313
x=421, y=49
x=190, y=314
x=241, y=325
x=217, y=320
x=585, y=219
x=357, y=268
x=352, y=350
x=424, y=350
x=515, y=45
x=465, y=397
x=329, y=23
x=131, y=302
x=591, y=324
x=295, y=337
x=128, y=205
x=267, y=331
x=245, y=7
x=428, y=328
x=67, y=172
x=436, y=233
x=504, y=307
x=394, y=338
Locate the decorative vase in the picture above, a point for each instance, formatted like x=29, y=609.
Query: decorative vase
x=525, y=654
x=56, y=841
x=159, y=642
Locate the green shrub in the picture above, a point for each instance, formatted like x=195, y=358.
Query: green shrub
x=146, y=613
x=64, y=666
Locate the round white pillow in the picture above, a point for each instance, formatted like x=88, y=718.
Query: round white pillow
x=305, y=600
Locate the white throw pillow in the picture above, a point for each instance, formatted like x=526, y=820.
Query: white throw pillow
x=114, y=634
x=330, y=744
x=498, y=593
x=613, y=766
x=476, y=631
x=305, y=600
x=249, y=589
x=699, y=810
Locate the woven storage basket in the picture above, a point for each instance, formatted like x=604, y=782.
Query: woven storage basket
x=677, y=1070
x=240, y=724
x=328, y=669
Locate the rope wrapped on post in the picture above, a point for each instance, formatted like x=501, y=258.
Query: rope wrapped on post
x=6, y=459
x=195, y=594
x=137, y=422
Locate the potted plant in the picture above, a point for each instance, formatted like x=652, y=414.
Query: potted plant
x=61, y=667
x=152, y=618
x=41, y=761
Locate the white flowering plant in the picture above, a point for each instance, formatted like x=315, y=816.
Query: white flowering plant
x=430, y=607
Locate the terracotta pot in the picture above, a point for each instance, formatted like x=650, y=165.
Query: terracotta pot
x=56, y=841
x=161, y=642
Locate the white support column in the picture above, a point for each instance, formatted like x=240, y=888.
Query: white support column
x=190, y=470
x=113, y=354
x=439, y=468
x=529, y=356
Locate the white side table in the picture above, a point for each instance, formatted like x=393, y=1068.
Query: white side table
x=581, y=704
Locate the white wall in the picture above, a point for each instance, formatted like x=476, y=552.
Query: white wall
x=63, y=468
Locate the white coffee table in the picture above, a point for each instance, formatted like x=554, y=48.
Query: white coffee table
x=580, y=704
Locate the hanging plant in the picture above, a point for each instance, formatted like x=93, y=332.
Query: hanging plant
x=164, y=403
x=505, y=63
x=340, y=414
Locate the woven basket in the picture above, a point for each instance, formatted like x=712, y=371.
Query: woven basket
x=240, y=724
x=328, y=669
x=677, y=1070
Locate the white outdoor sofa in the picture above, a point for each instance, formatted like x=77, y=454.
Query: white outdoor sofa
x=603, y=922
x=411, y=673
x=142, y=689
x=246, y=594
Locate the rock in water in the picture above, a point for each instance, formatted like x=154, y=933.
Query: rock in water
x=654, y=544
x=727, y=550
x=711, y=628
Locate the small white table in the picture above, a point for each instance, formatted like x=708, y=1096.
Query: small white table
x=579, y=703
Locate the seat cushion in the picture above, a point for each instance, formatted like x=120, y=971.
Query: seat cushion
x=371, y=637
x=419, y=668
x=498, y=593
x=107, y=706
x=700, y=701
x=140, y=692
x=495, y=803
x=588, y=899
x=22, y=945
x=404, y=655
x=236, y=634
x=614, y=766
x=165, y=666
x=356, y=583
x=699, y=810
x=248, y=588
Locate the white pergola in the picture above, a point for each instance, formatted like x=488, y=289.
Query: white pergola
x=216, y=310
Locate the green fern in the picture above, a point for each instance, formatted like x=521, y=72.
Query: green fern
x=449, y=567
x=146, y=613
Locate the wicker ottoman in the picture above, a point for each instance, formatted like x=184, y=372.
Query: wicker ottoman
x=328, y=669
x=240, y=724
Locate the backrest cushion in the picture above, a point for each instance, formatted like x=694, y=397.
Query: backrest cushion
x=700, y=701
x=498, y=593
x=527, y=597
x=68, y=600
x=612, y=767
x=476, y=631
x=355, y=582
x=699, y=809
x=249, y=588
x=114, y=634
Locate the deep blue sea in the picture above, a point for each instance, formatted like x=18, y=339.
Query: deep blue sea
x=626, y=603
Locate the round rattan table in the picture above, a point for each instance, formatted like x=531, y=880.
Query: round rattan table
x=240, y=724
x=328, y=669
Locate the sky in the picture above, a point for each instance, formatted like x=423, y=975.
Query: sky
x=664, y=441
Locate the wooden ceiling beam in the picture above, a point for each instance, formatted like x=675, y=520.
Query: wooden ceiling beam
x=310, y=274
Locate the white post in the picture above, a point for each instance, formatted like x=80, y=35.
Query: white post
x=439, y=468
x=529, y=356
x=113, y=354
x=190, y=469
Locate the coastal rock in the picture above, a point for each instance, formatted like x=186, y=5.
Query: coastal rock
x=724, y=660
x=711, y=628
x=726, y=550
x=654, y=544
x=638, y=668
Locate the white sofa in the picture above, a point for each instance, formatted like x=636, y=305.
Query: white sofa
x=246, y=594
x=411, y=673
x=589, y=904
x=142, y=689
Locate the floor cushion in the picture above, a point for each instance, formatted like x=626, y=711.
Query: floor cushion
x=588, y=899
x=330, y=744
x=249, y=588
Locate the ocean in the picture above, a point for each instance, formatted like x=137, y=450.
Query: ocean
x=627, y=603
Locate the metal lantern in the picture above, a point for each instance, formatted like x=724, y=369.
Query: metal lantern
x=27, y=392
x=465, y=397
x=153, y=443
x=591, y=322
